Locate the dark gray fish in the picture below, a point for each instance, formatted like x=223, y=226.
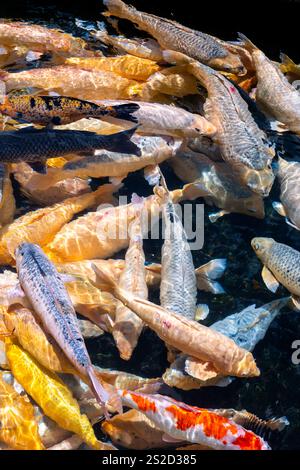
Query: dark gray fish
x=32, y=145
x=45, y=290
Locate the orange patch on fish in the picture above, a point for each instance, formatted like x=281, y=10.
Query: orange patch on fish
x=213, y=425
x=248, y=442
x=143, y=403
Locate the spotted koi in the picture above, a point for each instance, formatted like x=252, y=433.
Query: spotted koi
x=56, y=110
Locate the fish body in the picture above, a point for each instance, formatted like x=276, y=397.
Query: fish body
x=40, y=39
x=152, y=151
x=56, y=110
x=172, y=35
x=289, y=178
x=41, y=225
x=100, y=234
x=33, y=145
x=281, y=265
x=48, y=296
x=127, y=66
x=73, y=82
x=145, y=48
x=245, y=328
x=127, y=325
x=240, y=139
x=196, y=425
x=217, y=183
x=178, y=289
x=53, y=194
x=274, y=92
x=18, y=425
x=163, y=119
x=186, y=335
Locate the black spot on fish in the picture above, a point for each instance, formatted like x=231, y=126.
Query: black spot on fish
x=49, y=105
x=172, y=218
x=56, y=120
x=32, y=102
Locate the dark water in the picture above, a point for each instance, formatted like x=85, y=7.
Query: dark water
x=276, y=391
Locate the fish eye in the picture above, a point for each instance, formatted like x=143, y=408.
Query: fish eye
x=256, y=246
x=196, y=129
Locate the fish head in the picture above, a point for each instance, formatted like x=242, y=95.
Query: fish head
x=260, y=182
x=231, y=63
x=24, y=250
x=262, y=247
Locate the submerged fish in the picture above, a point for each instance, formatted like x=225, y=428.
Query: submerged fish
x=127, y=66
x=58, y=192
x=18, y=425
x=240, y=139
x=196, y=425
x=289, y=178
x=275, y=94
x=172, y=35
x=217, y=183
x=127, y=325
x=76, y=83
x=40, y=39
x=35, y=145
x=245, y=328
x=55, y=110
x=41, y=225
x=178, y=288
x=281, y=265
x=163, y=119
x=145, y=48
x=187, y=335
x=46, y=292
x=152, y=150
x=103, y=233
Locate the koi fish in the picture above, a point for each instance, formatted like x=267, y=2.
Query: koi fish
x=196, y=425
x=281, y=265
x=172, y=35
x=240, y=139
x=46, y=292
x=274, y=93
x=186, y=335
x=36, y=145
x=56, y=110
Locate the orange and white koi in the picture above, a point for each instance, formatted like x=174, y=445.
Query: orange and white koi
x=182, y=422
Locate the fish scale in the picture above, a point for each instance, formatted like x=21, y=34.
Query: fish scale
x=172, y=35
x=178, y=285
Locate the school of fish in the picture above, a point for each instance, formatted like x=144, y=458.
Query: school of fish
x=73, y=258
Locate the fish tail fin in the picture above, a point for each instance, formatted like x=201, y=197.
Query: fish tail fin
x=207, y=274
x=120, y=142
x=245, y=42
x=125, y=111
x=105, y=398
x=285, y=60
x=262, y=428
x=107, y=278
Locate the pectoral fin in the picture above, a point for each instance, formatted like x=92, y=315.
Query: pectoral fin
x=278, y=207
x=213, y=217
x=296, y=302
x=270, y=281
x=200, y=370
x=291, y=224
x=201, y=312
x=13, y=296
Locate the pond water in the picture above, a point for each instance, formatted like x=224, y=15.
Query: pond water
x=276, y=391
